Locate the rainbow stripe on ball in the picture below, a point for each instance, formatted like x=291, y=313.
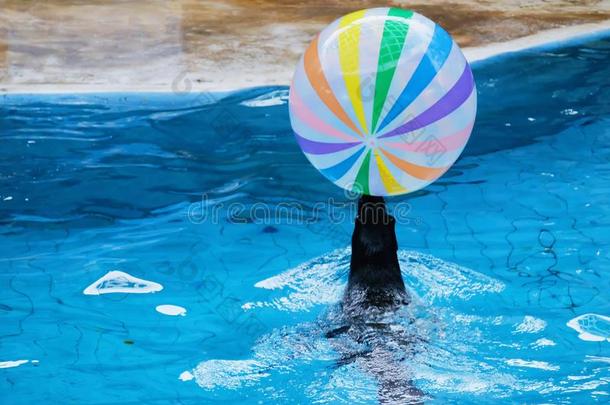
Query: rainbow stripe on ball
x=383, y=101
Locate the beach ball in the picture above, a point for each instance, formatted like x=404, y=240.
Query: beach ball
x=382, y=101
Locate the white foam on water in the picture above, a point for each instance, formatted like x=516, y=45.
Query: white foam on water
x=530, y=325
x=321, y=281
x=315, y=282
x=248, y=305
x=446, y=364
x=344, y=385
x=231, y=374
x=542, y=365
x=276, y=351
x=186, y=376
x=321, y=266
x=14, y=363
x=591, y=327
x=597, y=359
x=120, y=282
x=435, y=279
x=474, y=381
x=171, y=310
x=276, y=97
x=543, y=342
x=579, y=377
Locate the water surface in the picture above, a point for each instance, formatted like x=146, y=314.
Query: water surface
x=500, y=254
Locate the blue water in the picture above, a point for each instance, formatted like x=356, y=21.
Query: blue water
x=188, y=191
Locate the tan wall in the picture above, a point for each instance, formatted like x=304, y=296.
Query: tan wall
x=151, y=42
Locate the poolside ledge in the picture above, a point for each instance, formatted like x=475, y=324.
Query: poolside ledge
x=184, y=46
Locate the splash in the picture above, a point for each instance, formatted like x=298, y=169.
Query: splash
x=316, y=282
x=273, y=98
x=276, y=352
x=231, y=374
x=543, y=342
x=542, y=365
x=530, y=324
x=186, y=376
x=321, y=281
x=436, y=280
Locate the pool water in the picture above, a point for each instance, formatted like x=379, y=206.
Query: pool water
x=170, y=248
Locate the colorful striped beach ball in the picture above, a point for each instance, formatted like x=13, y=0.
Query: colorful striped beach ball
x=383, y=101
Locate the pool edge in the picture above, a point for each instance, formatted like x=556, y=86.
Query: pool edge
x=546, y=39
